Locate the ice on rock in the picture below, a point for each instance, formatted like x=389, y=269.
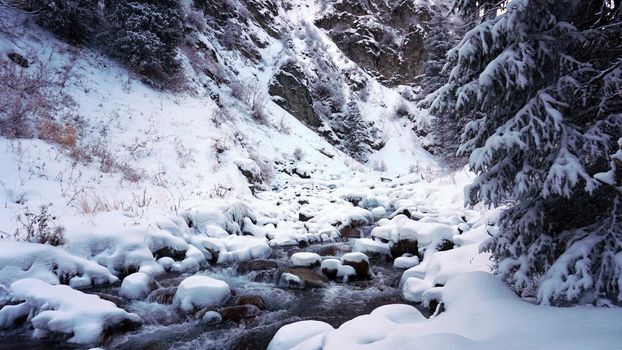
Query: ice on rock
x=289, y=280
x=136, y=286
x=306, y=259
x=197, y=291
x=166, y=263
x=293, y=334
x=61, y=309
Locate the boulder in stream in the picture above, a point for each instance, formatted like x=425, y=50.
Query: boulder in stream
x=239, y=312
x=360, y=263
x=197, y=292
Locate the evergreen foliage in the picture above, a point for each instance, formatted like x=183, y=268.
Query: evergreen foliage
x=540, y=86
x=73, y=20
x=145, y=34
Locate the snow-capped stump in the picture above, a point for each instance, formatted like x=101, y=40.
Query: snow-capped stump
x=61, y=309
x=346, y=273
x=306, y=259
x=360, y=263
x=406, y=262
x=197, y=292
x=136, y=286
x=237, y=313
x=330, y=267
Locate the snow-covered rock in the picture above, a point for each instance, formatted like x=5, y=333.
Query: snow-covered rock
x=136, y=286
x=61, y=309
x=197, y=291
x=306, y=259
x=20, y=260
x=370, y=246
x=406, y=262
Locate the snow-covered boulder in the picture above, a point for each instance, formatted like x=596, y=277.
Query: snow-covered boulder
x=306, y=259
x=61, y=309
x=329, y=268
x=371, y=247
x=136, y=286
x=197, y=292
x=20, y=260
x=346, y=273
x=289, y=280
x=360, y=263
x=406, y=262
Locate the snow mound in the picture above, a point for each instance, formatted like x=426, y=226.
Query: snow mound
x=136, y=286
x=291, y=335
x=306, y=259
x=196, y=292
x=65, y=310
x=482, y=313
x=368, y=245
x=20, y=260
x=406, y=262
x=401, y=227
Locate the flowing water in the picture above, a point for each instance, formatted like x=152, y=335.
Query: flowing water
x=165, y=328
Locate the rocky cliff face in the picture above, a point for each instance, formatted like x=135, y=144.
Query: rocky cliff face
x=384, y=37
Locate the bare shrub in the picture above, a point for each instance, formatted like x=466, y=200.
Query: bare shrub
x=220, y=191
x=254, y=97
x=40, y=227
x=282, y=126
x=32, y=102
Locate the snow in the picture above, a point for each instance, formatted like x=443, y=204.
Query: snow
x=197, y=292
x=293, y=334
x=368, y=245
x=401, y=227
x=330, y=264
x=136, y=285
x=482, y=313
x=29, y=260
x=61, y=309
x=346, y=273
x=354, y=257
x=305, y=259
x=405, y=262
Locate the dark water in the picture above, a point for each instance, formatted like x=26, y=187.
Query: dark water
x=165, y=328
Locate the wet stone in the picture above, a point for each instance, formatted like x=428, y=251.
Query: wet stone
x=239, y=312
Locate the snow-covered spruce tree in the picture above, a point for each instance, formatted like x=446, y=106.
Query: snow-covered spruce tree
x=145, y=34
x=540, y=84
x=73, y=20
x=442, y=34
x=355, y=133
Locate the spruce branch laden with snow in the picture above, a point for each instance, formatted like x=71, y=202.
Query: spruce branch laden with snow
x=540, y=86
